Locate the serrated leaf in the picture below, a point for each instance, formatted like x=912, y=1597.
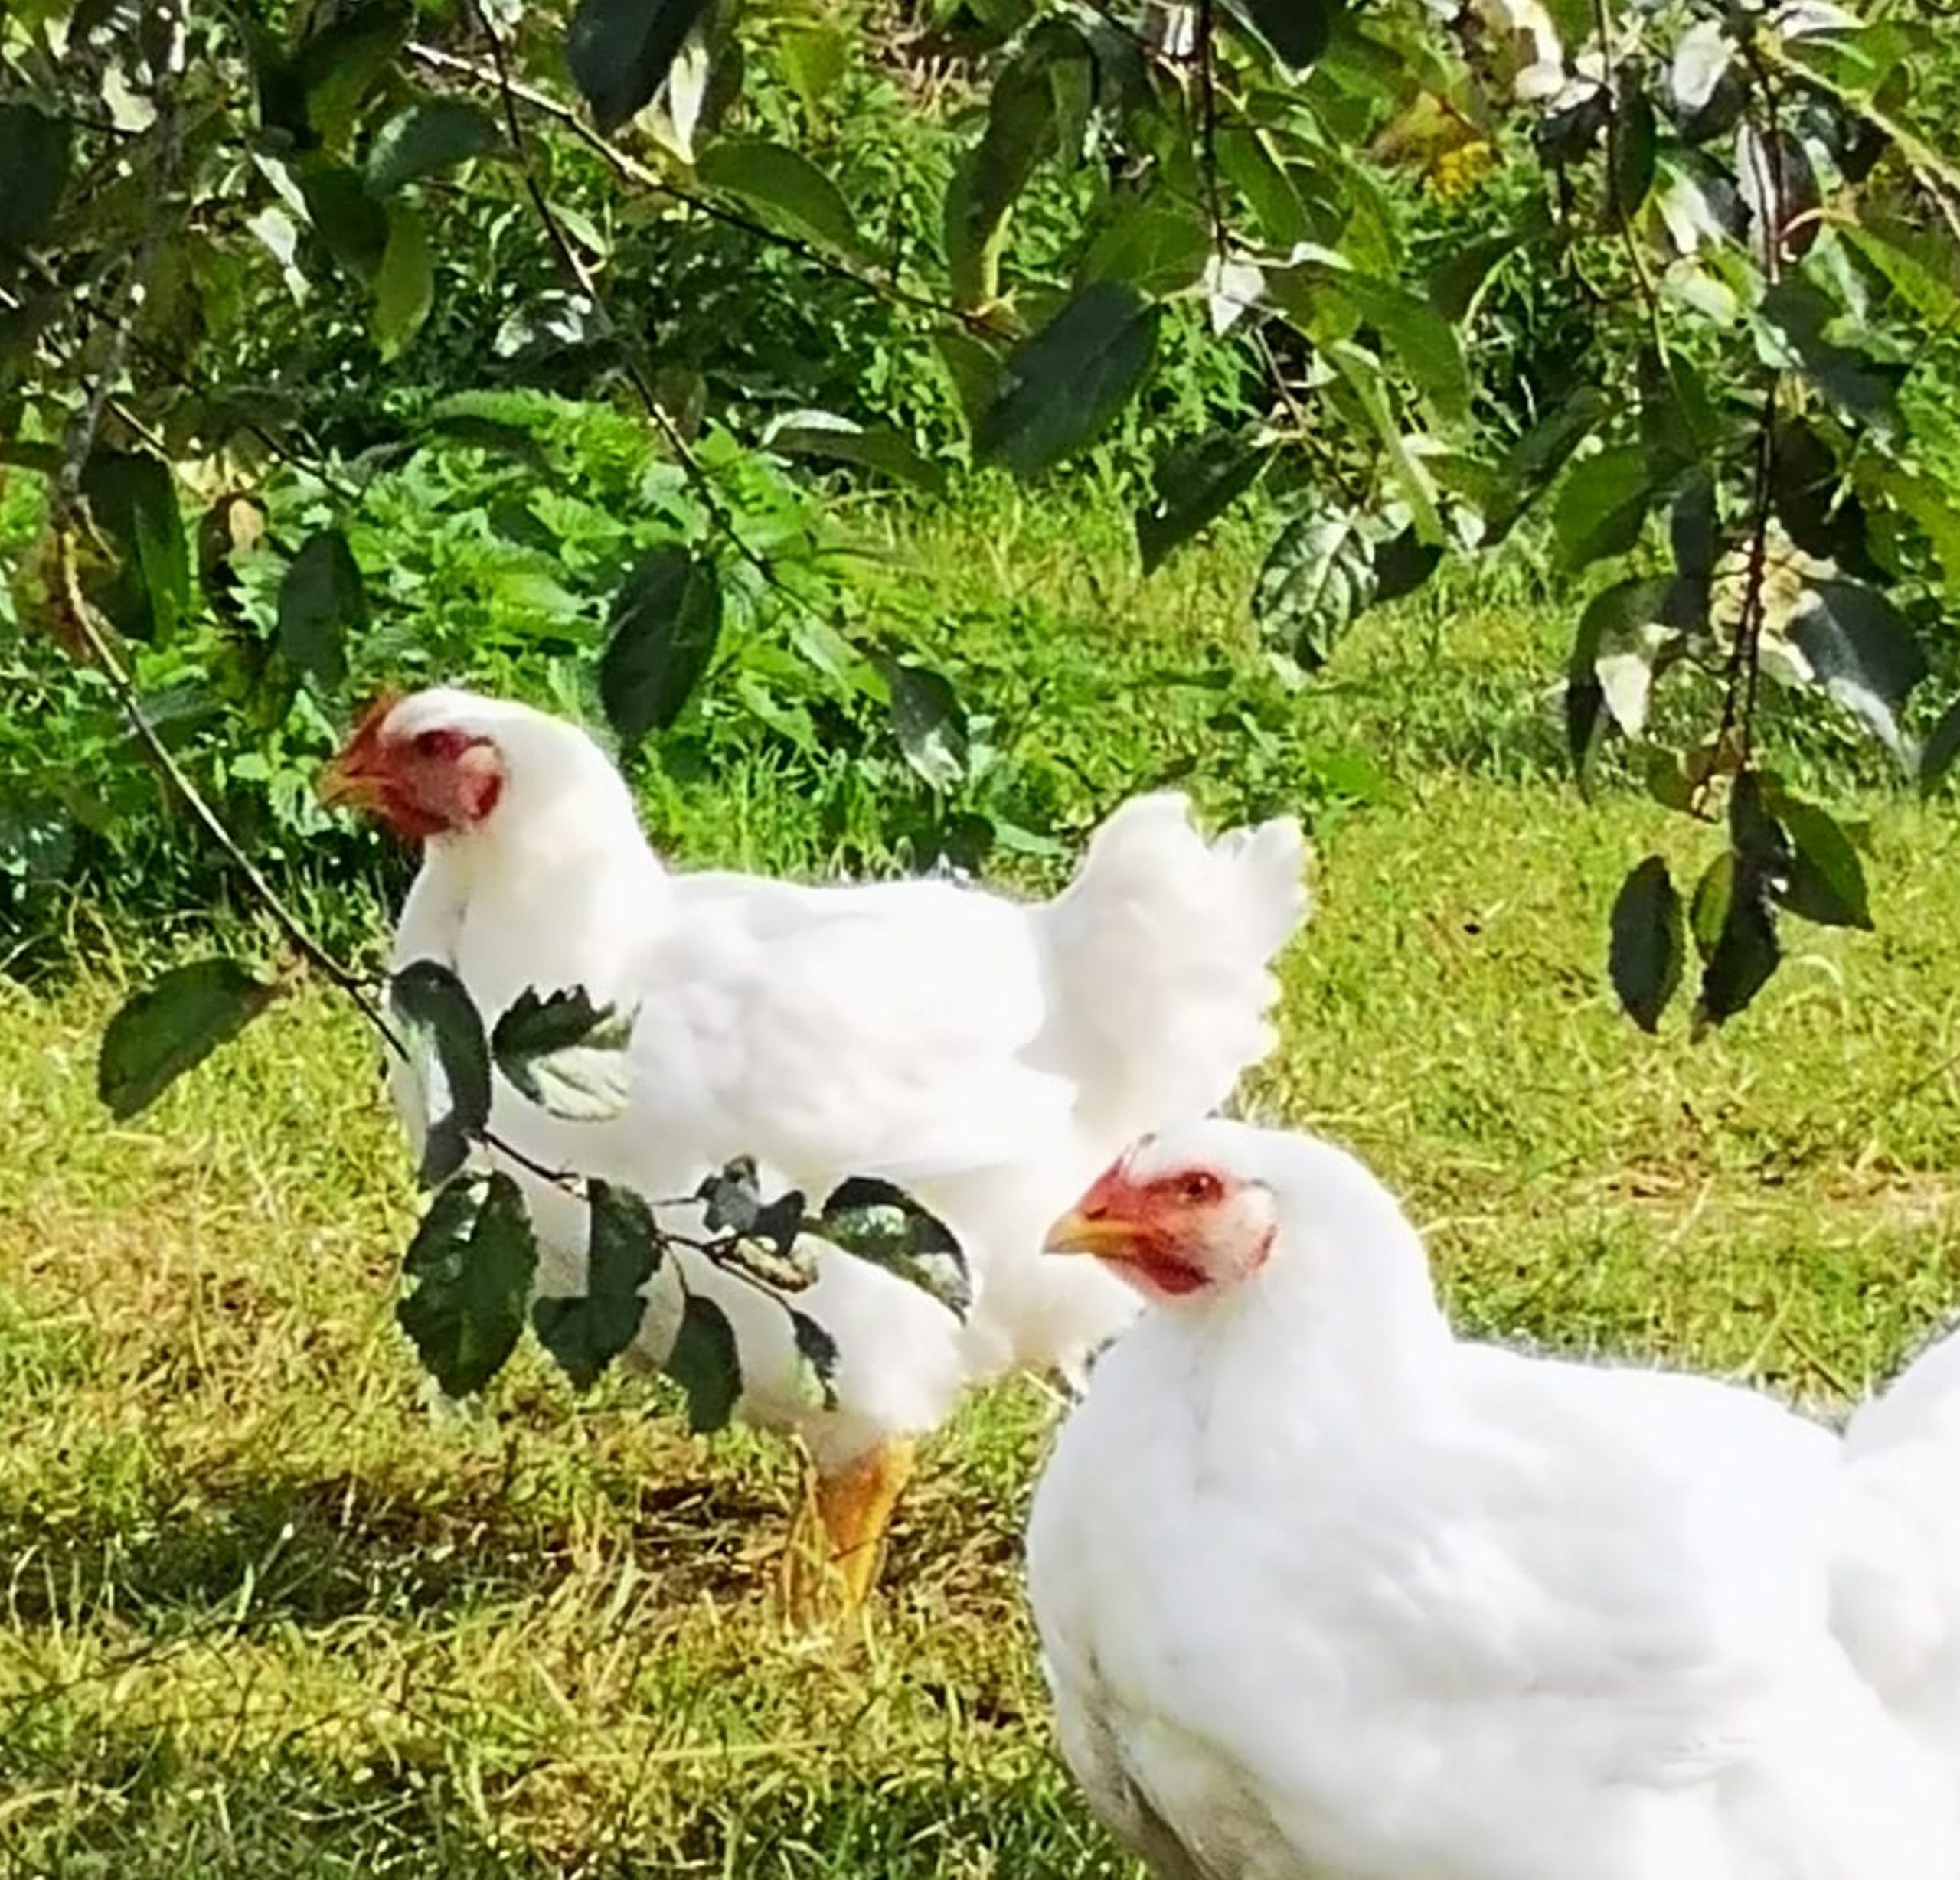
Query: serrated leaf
x=133, y=498
x=322, y=599
x=816, y=1361
x=928, y=720
x=1602, y=505
x=1648, y=944
x=35, y=156
x=405, y=282
x=427, y=138
x=665, y=620
x=473, y=1260
x=785, y=187
x=171, y=1026
x=843, y=440
x=566, y=1053
x=879, y=1222
x=1299, y=31
x=1318, y=576
x=449, y=1058
x=623, y=1250
x=1862, y=651
x=1058, y=390
x=1195, y=485
x=619, y=52
x=706, y=1364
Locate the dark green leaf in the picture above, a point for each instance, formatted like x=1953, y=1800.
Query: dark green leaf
x=1156, y=249
x=881, y=1223
x=450, y=1059
x=1602, y=505
x=174, y=1024
x=1037, y=106
x=785, y=188
x=1630, y=144
x=1059, y=389
x=133, y=500
x=816, y=1361
x=1402, y=563
x=1421, y=338
x=1299, y=31
x=974, y=370
x=623, y=1248
x=1317, y=577
x=705, y=1364
x=1538, y=456
x=1920, y=267
x=321, y=601
x=494, y=435
x=565, y=1053
x=405, y=282
x=928, y=721
x=425, y=137
x=1818, y=509
x=1794, y=315
x=665, y=620
x=1196, y=484
x=1649, y=943
x=339, y=62
x=1862, y=650
x=354, y=226
x=1826, y=881
x=772, y=1250
x=875, y=446
x=1941, y=746
x=1694, y=529
x=1247, y=161
x=619, y=52
x=1746, y=953
x=472, y=1259
x=33, y=159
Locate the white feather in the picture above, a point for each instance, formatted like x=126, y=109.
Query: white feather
x=1324, y=1592
x=987, y=1056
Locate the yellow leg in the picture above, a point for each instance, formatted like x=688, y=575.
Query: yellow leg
x=838, y=1540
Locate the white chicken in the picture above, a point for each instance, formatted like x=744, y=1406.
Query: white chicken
x=986, y=1056
x=1326, y=1594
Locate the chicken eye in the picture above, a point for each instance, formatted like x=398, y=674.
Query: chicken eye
x=1200, y=1188
x=432, y=744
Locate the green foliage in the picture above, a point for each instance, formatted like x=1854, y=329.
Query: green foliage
x=171, y=1026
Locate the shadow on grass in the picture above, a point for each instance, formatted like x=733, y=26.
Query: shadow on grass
x=312, y=1550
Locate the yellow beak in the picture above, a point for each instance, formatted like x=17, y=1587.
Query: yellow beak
x=1103, y=1234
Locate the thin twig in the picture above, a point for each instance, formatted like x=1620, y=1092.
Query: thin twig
x=1207, y=91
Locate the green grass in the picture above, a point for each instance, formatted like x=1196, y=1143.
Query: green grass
x=265, y=1615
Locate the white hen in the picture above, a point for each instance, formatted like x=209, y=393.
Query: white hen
x=986, y=1056
x=1325, y=1594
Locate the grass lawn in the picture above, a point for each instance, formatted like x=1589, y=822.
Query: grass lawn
x=265, y=1615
